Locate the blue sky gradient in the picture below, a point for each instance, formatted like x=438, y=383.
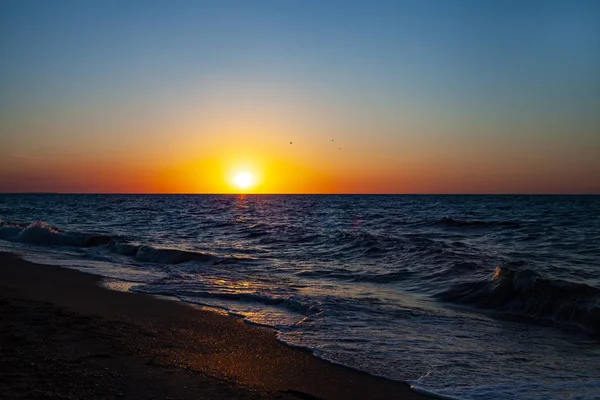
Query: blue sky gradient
x=444, y=79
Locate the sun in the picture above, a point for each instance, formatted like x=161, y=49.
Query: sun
x=244, y=180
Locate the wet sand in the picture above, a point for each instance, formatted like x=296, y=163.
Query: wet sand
x=63, y=336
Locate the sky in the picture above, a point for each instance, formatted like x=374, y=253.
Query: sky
x=302, y=96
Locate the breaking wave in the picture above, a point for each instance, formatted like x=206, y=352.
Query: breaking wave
x=42, y=233
x=526, y=293
x=158, y=255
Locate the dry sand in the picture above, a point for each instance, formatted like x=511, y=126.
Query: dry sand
x=63, y=336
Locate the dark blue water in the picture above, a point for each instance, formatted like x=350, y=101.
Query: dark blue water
x=467, y=296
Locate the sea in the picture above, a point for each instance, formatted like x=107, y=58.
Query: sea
x=461, y=296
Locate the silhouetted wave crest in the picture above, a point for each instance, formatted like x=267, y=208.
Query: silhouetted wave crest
x=159, y=255
x=528, y=294
x=42, y=233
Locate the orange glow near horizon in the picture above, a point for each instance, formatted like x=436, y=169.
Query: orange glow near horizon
x=271, y=149
x=283, y=168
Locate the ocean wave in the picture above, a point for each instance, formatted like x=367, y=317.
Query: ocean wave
x=256, y=234
x=340, y=273
x=464, y=267
x=347, y=275
x=168, y=256
x=461, y=223
x=389, y=277
x=526, y=293
x=365, y=243
x=42, y=233
x=152, y=254
x=158, y=255
x=250, y=297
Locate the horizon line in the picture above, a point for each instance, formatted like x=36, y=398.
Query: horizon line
x=306, y=194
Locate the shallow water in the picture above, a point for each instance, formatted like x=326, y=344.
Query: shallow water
x=474, y=297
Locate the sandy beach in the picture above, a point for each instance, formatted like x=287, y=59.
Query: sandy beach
x=63, y=336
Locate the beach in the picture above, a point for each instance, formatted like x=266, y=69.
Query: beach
x=63, y=335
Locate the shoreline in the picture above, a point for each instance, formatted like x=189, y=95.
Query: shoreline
x=130, y=339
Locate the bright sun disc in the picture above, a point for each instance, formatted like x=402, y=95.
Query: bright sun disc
x=243, y=180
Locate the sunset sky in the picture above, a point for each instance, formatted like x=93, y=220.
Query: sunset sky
x=374, y=96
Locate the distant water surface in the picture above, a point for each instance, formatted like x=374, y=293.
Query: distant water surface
x=472, y=297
